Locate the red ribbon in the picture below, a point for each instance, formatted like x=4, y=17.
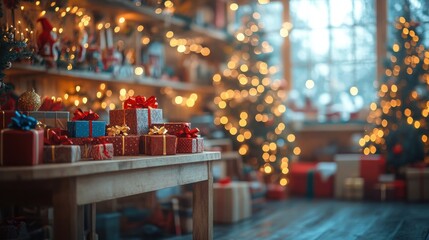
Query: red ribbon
x=51, y=105
x=104, y=142
x=141, y=102
x=55, y=139
x=80, y=115
x=186, y=132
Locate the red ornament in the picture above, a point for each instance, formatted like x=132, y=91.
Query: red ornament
x=398, y=149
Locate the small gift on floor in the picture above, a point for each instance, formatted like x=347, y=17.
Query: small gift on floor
x=353, y=188
x=60, y=149
x=348, y=166
x=85, y=124
x=102, y=150
x=371, y=167
x=188, y=141
x=138, y=114
x=173, y=128
x=417, y=183
x=276, y=192
x=157, y=142
x=21, y=143
x=123, y=144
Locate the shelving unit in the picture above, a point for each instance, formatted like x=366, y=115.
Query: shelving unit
x=76, y=75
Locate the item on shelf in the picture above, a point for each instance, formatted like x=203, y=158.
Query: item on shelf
x=52, y=119
x=353, y=188
x=29, y=101
x=371, y=167
x=138, y=114
x=231, y=202
x=85, y=146
x=20, y=135
x=173, y=128
x=124, y=145
x=117, y=130
x=157, y=142
x=85, y=124
x=50, y=104
x=102, y=151
x=47, y=42
x=417, y=184
x=61, y=154
x=6, y=118
x=276, y=192
x=348, y=166
x=188, y=140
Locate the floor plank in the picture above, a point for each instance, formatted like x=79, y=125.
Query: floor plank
x=329, y=219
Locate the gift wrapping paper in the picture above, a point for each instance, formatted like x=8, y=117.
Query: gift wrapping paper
x=6, y=118
x=299, y=174
x=190, y=145
x=137, y=119
x=417, y=184
x=21, y=148
x=371, y=167
x=231, y=202
x=172, y=127
x=383, y=191
x=81, y=129
x=102, y=151
x=61, y=154
x=54, y=119
x=353, y=188
x=85, y=145
x=276, y=192
x=348, y=165
x=124, y=145
x=158, y=144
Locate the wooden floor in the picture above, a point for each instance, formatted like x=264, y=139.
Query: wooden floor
x=330, y=219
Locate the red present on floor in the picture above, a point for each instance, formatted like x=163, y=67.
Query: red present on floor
x=371, y=167
x=298, y=177
x=323, y=186
x=276, y=192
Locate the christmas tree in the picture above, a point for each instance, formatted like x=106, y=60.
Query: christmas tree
x=251, y=103
x=400, y=117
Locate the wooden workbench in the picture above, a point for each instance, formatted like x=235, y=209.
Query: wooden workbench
x=69, y=186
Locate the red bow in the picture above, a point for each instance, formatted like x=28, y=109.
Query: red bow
x=186, y=132
x=140, y=102
x=104, y=142
x=86, y=116
x=55, y=139
x=50, y=104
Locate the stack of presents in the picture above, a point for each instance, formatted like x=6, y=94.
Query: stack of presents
x=52, y=137
x=358, y=177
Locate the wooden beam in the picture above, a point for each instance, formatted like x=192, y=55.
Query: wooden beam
x=202, y=214
x=381, y=37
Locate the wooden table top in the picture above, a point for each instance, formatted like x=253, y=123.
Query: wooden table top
x=61, y=170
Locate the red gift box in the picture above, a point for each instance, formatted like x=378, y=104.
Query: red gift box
x=124, y=145
x=298, y=177
x=6, y=118
x=159, y=144
x=323, y=188
x=85, y=146
x=102, y=151
x=371, y=167
x=276, y=192
x=190, y=145
x=21, y=148
x=173, y=128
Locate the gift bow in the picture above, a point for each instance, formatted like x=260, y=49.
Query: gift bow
x=86, y=116
x=118, y=130
x=50, y=104
x=186, y=132
x=22, y=122
x=158, y=131
x=141, y=102
x=103, y=142
x=55, y=139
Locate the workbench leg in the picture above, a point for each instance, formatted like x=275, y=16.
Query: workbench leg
x=68, y=217
x=203, y=207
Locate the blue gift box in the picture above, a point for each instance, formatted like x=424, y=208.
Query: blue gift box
x=81, y=128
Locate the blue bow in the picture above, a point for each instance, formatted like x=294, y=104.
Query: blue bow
x=23, y=122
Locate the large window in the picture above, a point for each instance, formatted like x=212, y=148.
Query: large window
x=333, y=54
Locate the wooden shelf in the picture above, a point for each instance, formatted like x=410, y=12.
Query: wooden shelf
x=23, y=69
x=148, y=13
x=328, y=127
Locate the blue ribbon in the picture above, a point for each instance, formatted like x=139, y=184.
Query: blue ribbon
x=23, y=122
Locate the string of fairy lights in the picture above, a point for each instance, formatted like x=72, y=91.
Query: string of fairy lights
x=393, y=108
